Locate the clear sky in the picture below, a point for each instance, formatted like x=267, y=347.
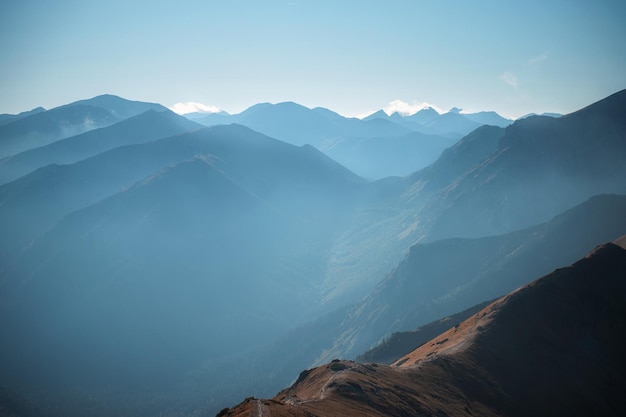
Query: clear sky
x=514, y=57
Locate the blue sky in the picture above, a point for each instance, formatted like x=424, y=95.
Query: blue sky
x=514, y=57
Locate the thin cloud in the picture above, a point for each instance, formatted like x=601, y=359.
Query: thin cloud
x=401, y=107
x=362, y=115
x=509, y=78
x=407, y=109
x=538, y=58
x=193, y=107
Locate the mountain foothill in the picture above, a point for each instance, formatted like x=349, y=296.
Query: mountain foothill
x=458, y=264
x=551, y=347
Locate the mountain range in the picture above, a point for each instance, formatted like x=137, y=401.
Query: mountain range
x=434, y=280
x=551, y=347
x=375, y=147
x=441, y=278
x=225, y=193
x=38, y=128
x=7, y=118
x=144, y=127
x=162, y=266
x=493, y=181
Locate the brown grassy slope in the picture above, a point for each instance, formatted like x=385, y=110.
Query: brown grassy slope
x=399, y=343
x=553, y=347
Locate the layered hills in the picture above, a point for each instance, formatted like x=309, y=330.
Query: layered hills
x=376, y=147
x=434, y=280
x=551, y=347
x=149, y=265
x=145, y=127
x=580, y=154
x=540, y=166
x=7, y=118
x=192, y=237
x=40, y=128
x=35, y=202
x=438, y=279
x=493, y=181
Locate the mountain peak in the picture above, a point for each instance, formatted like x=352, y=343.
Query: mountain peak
x=380, y=114
x=424, y=116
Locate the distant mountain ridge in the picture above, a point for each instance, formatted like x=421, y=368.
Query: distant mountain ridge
x=119, y=107
x=441, y=278
x=223, y=214
x=402, y=343
x=44, y=127
x=493, y=181
x=294, y=124
x=164, y=267
x=451, y=272
x=144, y=127
x=541, y=159
x=7, y=118
x=428, y=120
x=395, y=155
x=410, y=142
x=32, y=204
x=541, y=114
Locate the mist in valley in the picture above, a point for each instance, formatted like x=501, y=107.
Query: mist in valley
x=187, y=272
x=161, y=259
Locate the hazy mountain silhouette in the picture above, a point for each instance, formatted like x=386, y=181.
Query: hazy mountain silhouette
x=401, y=343
x=552, y=347
x=434, y=280
x=144, y=127
x=46, y=127
x=172, y=275
x=233, y=238
x=424, y=116
x=540, y=167
x=457, y=159
x=7, y=118
x=42, y=128
x=380, y=114
x=441, y=278
x=354, y=143
x=299, y=125
x=490, y=118
x=376, y=241
x=395, y=155
x=288, y=121
x=375, y=147
x=452, y=124
x=31, y=205
x=137, y=254
x=541, y=114
x=455, y=123
x=211, y=119
x=411, y=122
x=119, y=107
x=329, y=114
